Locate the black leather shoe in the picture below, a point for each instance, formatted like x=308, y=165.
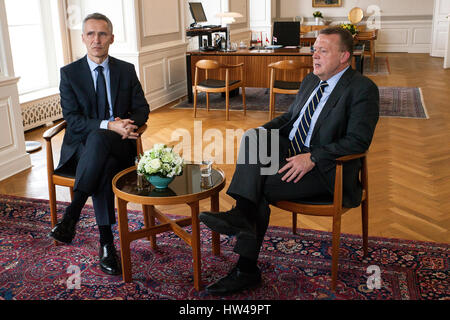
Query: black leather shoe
x=230, y=222
x=235, y=281
x=109, y=262
x=64, y=231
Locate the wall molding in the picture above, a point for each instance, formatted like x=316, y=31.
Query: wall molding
x=405, y=36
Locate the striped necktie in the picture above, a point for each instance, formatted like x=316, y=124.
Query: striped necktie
x=298, y=142
x=102, y=100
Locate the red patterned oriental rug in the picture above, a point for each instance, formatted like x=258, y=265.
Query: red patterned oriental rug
x=293, y=267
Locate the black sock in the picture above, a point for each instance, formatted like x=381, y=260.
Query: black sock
x=73, y=211
x=106, y=235
x=247, y=265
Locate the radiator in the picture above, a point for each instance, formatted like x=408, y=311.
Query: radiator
x=40, y=112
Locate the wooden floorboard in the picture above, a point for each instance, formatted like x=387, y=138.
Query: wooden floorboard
x=409, y=171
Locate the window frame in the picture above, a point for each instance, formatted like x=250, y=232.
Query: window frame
x=50, y=30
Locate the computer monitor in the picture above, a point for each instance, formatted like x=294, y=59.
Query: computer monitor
x=198, y=14
x=286, y=33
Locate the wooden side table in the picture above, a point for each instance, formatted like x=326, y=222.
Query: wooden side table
x=184, y=189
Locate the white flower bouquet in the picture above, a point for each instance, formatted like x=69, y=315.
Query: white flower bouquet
x=162, y=161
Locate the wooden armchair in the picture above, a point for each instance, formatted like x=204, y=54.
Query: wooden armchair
x=66, y=180
x=214, y=85
x=333, y=208
x=285, y=86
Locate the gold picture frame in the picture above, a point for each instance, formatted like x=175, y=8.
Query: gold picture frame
x=326, y=3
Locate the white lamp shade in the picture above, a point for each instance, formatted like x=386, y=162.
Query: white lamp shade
x=228, y=17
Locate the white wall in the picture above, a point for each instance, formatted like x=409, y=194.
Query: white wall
x=261, y=16
x=149, y=34
x=406, y=25
x=13, y=157
x=122, y=15
x=162, y=49
x=291, y=8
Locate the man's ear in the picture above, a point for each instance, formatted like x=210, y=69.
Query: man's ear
x=345, y=57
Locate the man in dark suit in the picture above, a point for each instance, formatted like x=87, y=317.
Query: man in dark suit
x=334, y=114
x=103, y=104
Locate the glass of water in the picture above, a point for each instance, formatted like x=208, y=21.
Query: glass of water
x=205, y=171
x=140, y=176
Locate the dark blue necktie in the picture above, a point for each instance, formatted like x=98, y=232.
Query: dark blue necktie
x=298, y=142
x=102, y=100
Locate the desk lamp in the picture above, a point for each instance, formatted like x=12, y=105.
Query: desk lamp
x=228, y=18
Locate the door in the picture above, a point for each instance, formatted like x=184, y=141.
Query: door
x=440, y=27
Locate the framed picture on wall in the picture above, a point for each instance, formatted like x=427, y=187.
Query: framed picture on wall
x=326, y=3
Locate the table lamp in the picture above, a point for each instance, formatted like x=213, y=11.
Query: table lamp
x=228, y=18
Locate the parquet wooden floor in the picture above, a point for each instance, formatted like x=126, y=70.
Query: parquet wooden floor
x=409, y=171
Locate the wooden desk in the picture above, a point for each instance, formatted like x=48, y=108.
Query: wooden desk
x=256, y=70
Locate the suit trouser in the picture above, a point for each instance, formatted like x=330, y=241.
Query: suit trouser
x=103, y=155
x=262, y=189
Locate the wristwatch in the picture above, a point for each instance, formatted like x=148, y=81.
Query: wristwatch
x=313, y=159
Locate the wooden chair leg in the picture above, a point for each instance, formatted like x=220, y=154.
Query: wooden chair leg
x=372, y=55
x=335, y=250
x=227, y=103
x=271, y=105
x=207, y=101
x=149, y=221
x=52, y=202
x=195, y=103
x=294, y=223
x=243, y=101
x=53, y=212
x=365, y=225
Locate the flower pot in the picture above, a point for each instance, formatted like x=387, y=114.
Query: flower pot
x=317, y=20
x=159, y=182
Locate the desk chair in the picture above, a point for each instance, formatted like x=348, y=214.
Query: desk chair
x=333, y=208
x=67, y=179
x=282, y=86
x=213, y=85
x=369, y=38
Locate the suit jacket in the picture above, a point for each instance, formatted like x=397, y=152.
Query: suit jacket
x=79, y=106
x=345, y=126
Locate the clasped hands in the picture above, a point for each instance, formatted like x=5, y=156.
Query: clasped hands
x=124, y=127
x=296, y=167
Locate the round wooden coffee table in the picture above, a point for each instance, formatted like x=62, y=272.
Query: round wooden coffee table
x=183, y=189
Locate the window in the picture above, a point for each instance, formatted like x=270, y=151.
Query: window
x=35, y=52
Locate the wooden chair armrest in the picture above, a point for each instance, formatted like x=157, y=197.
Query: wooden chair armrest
x=53, y=131
x=351, y=157
x=141, y=129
